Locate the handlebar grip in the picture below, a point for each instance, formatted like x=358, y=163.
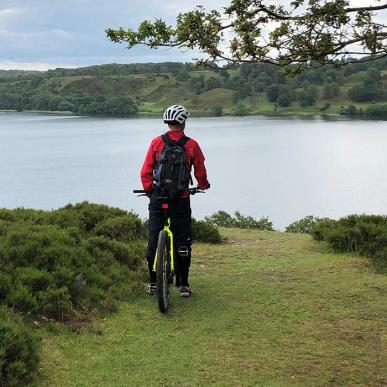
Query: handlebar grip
x=194, y=191
x=139, y=191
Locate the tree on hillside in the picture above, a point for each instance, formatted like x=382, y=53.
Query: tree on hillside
x=307, y=96
x=365, y=93
x=319, y=31
x=240, y=110
x=212, y=83
x=369, y=89
x=197, y=84
x=183, y=75
x=272, y=93
x=330, y=90
x=216, y=110
x=65, y=106
x=284, y=98
x=373, y=75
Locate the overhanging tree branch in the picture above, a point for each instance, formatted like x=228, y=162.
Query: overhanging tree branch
x=367, y=9
x=321, y=32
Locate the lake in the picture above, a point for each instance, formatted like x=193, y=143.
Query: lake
x=281, y=167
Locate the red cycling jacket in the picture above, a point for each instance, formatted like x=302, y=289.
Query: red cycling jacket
x=193, y=153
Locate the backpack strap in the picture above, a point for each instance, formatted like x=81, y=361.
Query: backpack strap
x=167, y=140
x=181, y=142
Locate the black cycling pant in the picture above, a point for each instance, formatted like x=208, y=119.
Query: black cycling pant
x=180, y=213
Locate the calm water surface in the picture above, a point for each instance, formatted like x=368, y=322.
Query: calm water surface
x=284, y=168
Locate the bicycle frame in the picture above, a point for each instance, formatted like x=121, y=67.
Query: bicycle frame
x=167, y=225
x=167, y=229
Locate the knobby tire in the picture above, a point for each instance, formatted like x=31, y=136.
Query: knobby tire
x=163, y=271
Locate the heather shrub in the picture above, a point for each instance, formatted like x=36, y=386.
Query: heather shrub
x=304, y=225
x=203, y=231
x=55, y=266
x=56, y=263
x=363, y=234
x=18, y=353
x=125, y=228
x=224, y=219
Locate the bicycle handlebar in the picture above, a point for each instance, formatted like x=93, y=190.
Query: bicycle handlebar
x=195, y=190
x=192, y=191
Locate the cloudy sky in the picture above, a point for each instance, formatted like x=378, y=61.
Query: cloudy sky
x=41, y=34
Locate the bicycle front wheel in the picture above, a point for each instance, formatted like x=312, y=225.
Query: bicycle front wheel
x=163, y=271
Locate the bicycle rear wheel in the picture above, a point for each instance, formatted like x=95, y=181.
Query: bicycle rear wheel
x=163, y=271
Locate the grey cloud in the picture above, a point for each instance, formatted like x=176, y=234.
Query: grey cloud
x=72, y=32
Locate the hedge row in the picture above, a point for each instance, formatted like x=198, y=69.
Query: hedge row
x=81, y=256
x=363, y=234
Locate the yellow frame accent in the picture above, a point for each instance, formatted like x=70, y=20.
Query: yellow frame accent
x=171, y=251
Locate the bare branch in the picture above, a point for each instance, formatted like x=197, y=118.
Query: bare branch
x=270, y=13
x=370, y=8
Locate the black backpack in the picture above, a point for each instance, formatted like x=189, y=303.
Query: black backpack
x=170, y=174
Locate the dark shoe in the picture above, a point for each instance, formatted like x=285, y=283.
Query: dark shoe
x=151, y=289
x=185, y=291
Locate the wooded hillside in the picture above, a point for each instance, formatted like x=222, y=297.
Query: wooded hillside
x=117, y=89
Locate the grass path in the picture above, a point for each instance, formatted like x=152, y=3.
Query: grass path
x=268, y=308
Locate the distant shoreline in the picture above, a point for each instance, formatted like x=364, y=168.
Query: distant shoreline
x=157, y=115
x=204, y=115
x=144, y=90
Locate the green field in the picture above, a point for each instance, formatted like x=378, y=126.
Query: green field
x=268, y=308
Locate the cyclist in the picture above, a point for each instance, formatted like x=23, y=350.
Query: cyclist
x=180, y=210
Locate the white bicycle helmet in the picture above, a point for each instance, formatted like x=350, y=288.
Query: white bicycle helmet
x=175, y=113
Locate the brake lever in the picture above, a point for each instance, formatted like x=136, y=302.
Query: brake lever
x=195, y=191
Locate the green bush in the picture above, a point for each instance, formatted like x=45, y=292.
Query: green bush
x=224, y=219
x=5, y=285
x=377, y=110
x=56, y=303
x=84, y=215
x=54, y=263
x=125, y=228
x=320, y=229
x=350, y=110
x=379, y=260
x=124, y=253
x=365, y=93
x=205, y=232
x=363, y=234
x=216, y=111
x=221, y=219
x=304, y=225
x=240, y=110
x=18, y=353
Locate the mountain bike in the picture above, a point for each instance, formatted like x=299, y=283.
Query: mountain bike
x=164, y=262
